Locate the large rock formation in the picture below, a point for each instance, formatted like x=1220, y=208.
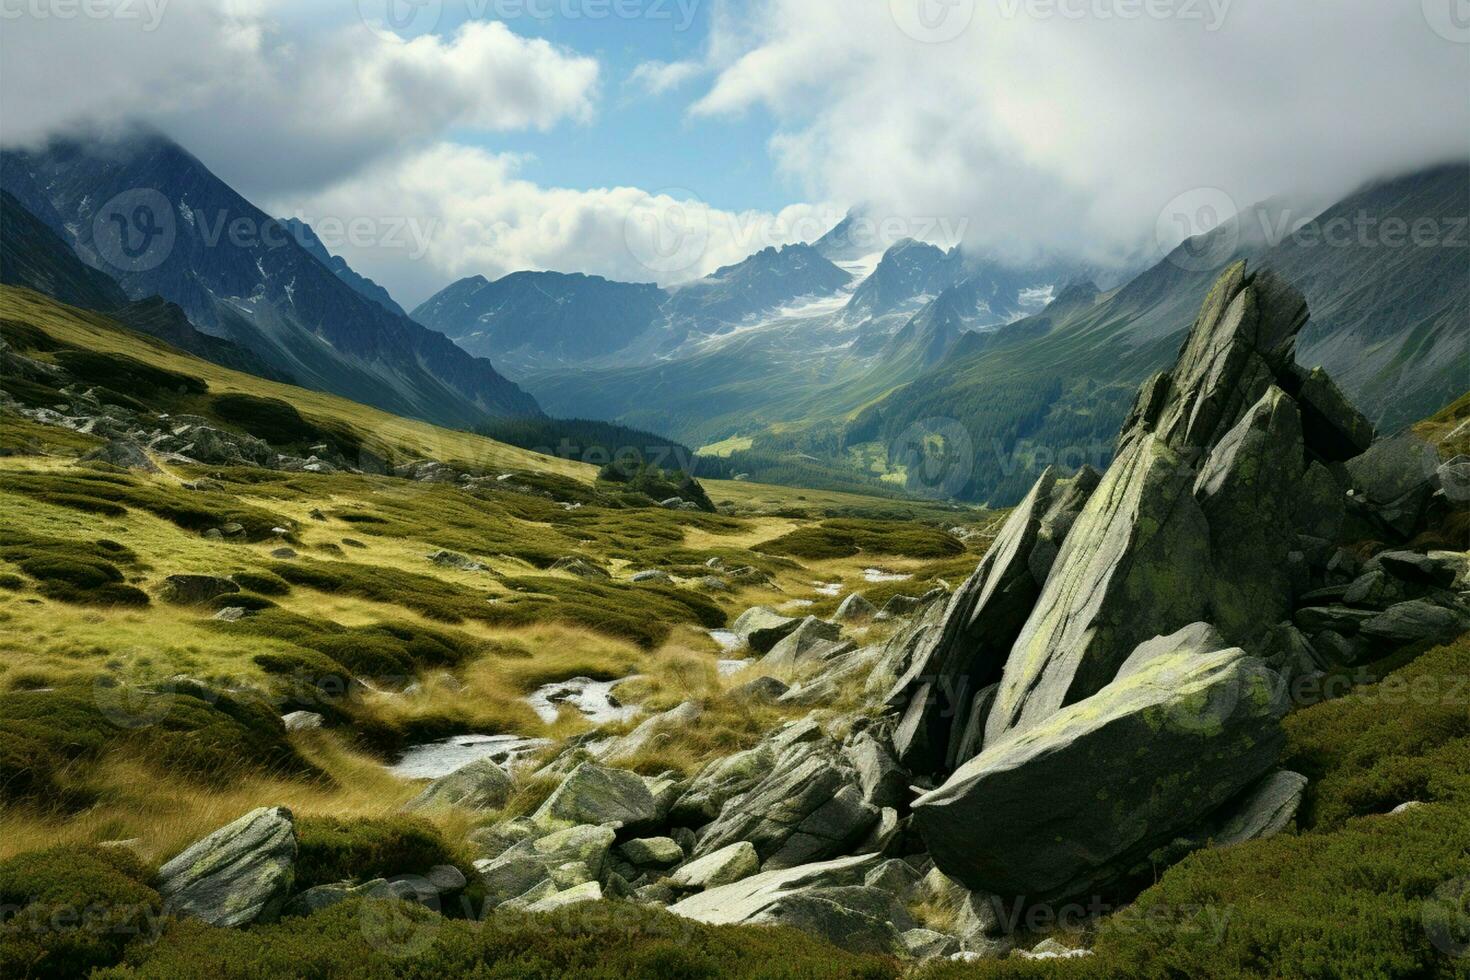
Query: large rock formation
x=1193, y=520
x=1086, y=795
x=1115, y=632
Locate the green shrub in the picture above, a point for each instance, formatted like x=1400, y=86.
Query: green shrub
x=73, y=571
x=11, y=583
x=262, y=583
x=271, y=419
x=333, y=849
x=67, y=911
x=845, y=537
x=121, y=371
x=606, y=941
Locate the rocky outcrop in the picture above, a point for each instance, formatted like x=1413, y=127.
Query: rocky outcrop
x=761, y=628
x=595, y=794
x=1193, y=520
x=1195, y=729
x=723, y=867
x=241, y=873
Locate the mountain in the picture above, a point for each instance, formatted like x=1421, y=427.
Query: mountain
x=238, y=273
x=543, y=318
x=767, y=281
x=31, y=255
x=851, y=238
x=909, y=274
x=308, y=239
x=1392, y=324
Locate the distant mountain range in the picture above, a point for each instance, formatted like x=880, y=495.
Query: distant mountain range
x=239, y=274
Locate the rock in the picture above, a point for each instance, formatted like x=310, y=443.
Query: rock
x=481, y=785
x=284, y=554
x=651, y=729
x=1196, y=639
x=1264, y=811
x=1193, y=518
x=720, y=781
x=713, y=583
x=653, y=577
x=854, y=918
x=302, y=721
x=1409, y=566
x=855, y=609
x=1407, y=807
x=581, y=568
x=241, y=873
x=883, y=782
x=123, y=453
x=1196, y=730
x=746, y=898
x=811, y=642
x=1290, y=654
x=723, y=867
x=926, y=944
x=761, y=628
x=195, y=590
x=576, y=854
x=651, y=852
x=595, y=794
x=1319, y=507
x=589, y=891
x=449, y=559
x=1339, y=619
x=1417, y=621
x=807, y=807
x=1335, y=431
x=969, y=652
x=231, y=614
x=898, y=878
x=1068, y=498
x=1053, y=949
x=971, y=738
x=762, y=690
x=323, y=897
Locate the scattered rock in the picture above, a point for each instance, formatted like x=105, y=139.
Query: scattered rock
x=762, y=690
x=761, y=628
x=926, y=944
x=595, y=794
x=481, y=785
x=123, y=453
x=855, y=609
x=194, y=590
x=653, y=577
x=232, y=614
x=241, y=873
x=284, y=553
x=449, y=559
x=323, y=897
x=807, y=645
x=1417, y=621
x=651, y=852
x=726, y=866
x=302, y=721
x=581, y=568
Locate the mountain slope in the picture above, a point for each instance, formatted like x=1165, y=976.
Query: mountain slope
x=540, y=318
x=307, y=238
x=31, y=255
x=235, y=271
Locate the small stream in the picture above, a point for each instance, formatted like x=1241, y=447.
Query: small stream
x=593, y=698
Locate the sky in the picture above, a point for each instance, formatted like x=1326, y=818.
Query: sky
x=656, y=140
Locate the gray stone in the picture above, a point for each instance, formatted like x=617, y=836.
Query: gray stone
x=123, y=453
x=1264, y=811
x=926, y=944
x=232, y=614
x=742, y=900
x=853, y=918
x=883, y=782
x=573, y=854
x=284, y=553
x=194, y=590
x=807, y=807
x=1195, y=729
x=595, y=794
x=449, y=559
x=855, y=609
x=761, y=628
x=653, y=728
x=302, y=721
x=723, y=867
x=651, y=852
x=762, y=690
x=1335, y=430
x=323, y=897
x=1339, y=619
x=1409, y=566
x=1196, y=639
x=898, y=878
x=1417, y=621
x=720, y=781
x=481, y=785
x=652, y=577
x=810, y=643
x=589, y=891
x=971, y=738
x=581, y=568
x=241, y=873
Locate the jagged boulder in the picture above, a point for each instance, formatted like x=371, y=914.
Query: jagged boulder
x=808, y=806
x=721, y=781
x=723, y=867
x=193, y=590
x=241, y=873
x=761, y=628
x=812, y=642
x=855, y=609
x=123, y=453
x=543, y=864
x=1194, y=519
x=1050, y=812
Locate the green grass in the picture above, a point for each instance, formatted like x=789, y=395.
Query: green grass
x=849, y=537
x=332, y=849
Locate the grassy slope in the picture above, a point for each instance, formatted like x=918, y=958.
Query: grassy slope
x=361, y=599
